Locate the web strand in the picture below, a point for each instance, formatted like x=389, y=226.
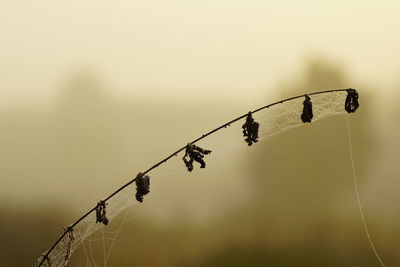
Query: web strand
x=115, y=238
x=87, y=257
x=358, y=196
x=91, y=254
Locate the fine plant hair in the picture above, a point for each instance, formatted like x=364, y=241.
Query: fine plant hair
x=286, y=114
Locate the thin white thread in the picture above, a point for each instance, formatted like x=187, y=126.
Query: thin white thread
x=110, y=232
x=91, y=253
x=100, y=239
x=88, y=264
x=116, y=235
x=140, y=213
x=358, y=196
x=104, y=250
x=167, y=187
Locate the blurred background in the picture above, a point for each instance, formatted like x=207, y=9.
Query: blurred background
x=93, y=92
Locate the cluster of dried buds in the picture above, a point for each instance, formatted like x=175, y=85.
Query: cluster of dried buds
x=142, y=186
x=194, y=153
x=307, y=114
x=68, y=238
x=101, y=213
x=250, y=130
x=351, y=104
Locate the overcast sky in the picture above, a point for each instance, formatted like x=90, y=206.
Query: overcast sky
x=165, y=49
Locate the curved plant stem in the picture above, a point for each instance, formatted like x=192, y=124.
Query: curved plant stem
x=70, y=228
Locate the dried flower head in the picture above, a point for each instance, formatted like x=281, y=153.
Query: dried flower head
x=307, y=114
x=194, y=153
x=68, y=239
x=250, y=130
x=101, y=213
x=351, y=104
x=142, y=186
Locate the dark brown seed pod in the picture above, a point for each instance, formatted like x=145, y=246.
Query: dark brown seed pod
x=250, y=130
x=101, y=213
x=194, y=153
x=142, y=186
x=307, y=114
x=351, y=104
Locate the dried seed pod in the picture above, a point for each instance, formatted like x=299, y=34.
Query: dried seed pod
x=194, y=153
x=142, y=186
x=307, y=114
x=351, y=104
x=188, y=163
x=101, y=213
x=68, y=238
x=250, y=130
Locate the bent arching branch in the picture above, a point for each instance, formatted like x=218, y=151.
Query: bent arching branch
x=349, y=108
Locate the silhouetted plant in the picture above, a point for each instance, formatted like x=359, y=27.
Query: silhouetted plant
x=194, y=153
x=351, y=104
x=142, y=186
x=307, y=114
x=68, y=239
x=101, y=213
x=250, y=130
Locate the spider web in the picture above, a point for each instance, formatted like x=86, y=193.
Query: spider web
x=273, y=120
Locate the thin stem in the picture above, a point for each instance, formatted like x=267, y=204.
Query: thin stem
x=176, y=153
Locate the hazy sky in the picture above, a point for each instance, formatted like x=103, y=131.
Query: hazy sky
x=195, y=49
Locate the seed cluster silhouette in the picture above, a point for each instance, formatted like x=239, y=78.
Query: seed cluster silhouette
x=250, y=130
x=351, y=104
x=69, y=238
x=307, y=114
x=101, y=213
x=194, y=153
x=142, y=186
